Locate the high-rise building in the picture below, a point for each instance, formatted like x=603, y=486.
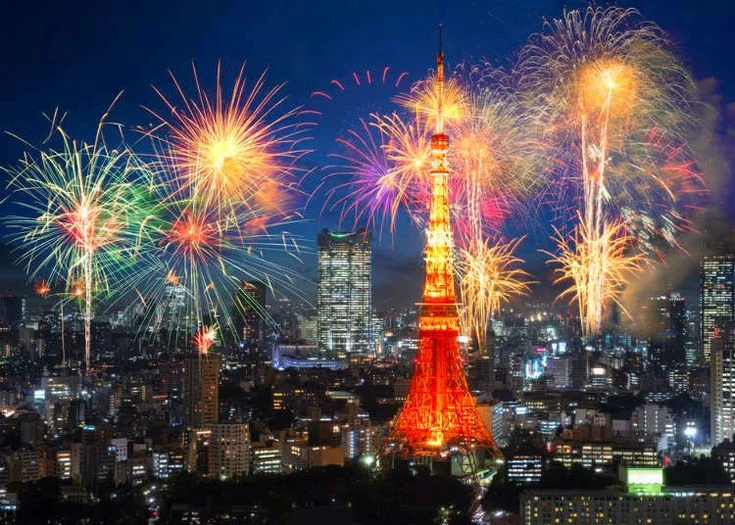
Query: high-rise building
x=171, y=311
x=12, y=310
x=344, y=299
x=201, y=390
x=249, y=313
x=722, y=378
x=666, y=322
x=229, y=450
x=717, y=297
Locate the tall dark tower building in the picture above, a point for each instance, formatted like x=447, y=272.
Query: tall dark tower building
x=249, y=314
x=667, y=329
x=717, y=297
x=201, y=389
x=344, y=296
x=12, y=309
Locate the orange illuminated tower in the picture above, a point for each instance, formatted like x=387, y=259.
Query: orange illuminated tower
x=439, y=412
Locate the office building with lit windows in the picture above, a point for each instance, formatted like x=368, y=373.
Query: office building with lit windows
x=722, y=380
x=526, y=468
x=266, y=458
x=344, y=296
x=644, y=500
x=201, y=390
x=716, y=296
x=229, y=450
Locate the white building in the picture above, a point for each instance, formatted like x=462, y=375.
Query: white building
x=654, y=421
x=646, y=501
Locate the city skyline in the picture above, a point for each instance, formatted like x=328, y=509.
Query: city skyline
x=485, y=278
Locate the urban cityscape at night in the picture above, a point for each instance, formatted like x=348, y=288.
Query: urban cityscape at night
x=367, y=263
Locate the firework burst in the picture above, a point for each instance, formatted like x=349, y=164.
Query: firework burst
x=79, y=226
x=234, y=150
x=224, y=192
x=205, y=338
x=437, y=107
x=385, y=163
x=42, y=288
x=603, y=85
x=193, y=258
x=492, y=158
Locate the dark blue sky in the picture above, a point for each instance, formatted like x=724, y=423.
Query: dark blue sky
x=78, y=55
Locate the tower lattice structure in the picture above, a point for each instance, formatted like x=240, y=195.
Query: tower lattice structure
x=439, y=411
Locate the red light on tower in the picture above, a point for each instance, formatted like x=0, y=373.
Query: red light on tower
x=439, y=411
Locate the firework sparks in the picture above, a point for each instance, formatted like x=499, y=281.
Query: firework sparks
x=488, y=277
x=192, y=256
x=602, y=83
x=492, y=157
x=232, y=151
x=386, y=164
x=205, y=338
x=438, y=107
x=42, y=288
x=597, y=270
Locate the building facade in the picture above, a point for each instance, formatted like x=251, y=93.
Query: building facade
x=722, y=390
x=344, y=296
x=670, y=506
x=717, y=297
x=201, y=390
x=229, y=450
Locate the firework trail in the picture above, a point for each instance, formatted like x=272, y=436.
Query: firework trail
x=489, y=276
x=604, y=85
x=78, y=223
x=610, y=255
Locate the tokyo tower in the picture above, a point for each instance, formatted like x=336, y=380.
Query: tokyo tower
x=439, y=411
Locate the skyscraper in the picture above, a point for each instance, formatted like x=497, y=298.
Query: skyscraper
x=171, y=314
x=717, y=297
x=344, y=298
x=201, y=389
x=722, y=381
x=666, y=327
x=249, y=314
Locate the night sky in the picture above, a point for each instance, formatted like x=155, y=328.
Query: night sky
x=78, y=55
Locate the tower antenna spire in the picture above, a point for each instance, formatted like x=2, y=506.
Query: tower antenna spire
x=440, y=82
